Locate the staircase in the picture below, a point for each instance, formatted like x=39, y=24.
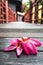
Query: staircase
x=19, y=29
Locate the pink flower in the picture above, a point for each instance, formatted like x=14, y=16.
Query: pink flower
x=25, y=44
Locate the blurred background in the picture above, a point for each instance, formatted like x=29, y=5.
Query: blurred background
x=30, y=11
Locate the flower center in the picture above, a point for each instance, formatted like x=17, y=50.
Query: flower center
x=24, y=39
x=18, y=44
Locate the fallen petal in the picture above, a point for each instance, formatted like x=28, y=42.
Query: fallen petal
x=32, y=48
x=25, y=48
x=10, y=48
x=35, y=42
x=14, y=42
x=18, y=51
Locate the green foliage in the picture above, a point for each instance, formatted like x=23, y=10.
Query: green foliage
x=40, y=2
x=27, y=6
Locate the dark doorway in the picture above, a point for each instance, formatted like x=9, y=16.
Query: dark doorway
x=18, y=4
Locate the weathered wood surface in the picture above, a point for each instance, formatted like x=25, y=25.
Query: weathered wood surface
x=21, y=25
x=19, y=29
x=9, y=58
x=18, y=34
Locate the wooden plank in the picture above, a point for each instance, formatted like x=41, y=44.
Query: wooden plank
x=17, y=34
x=21, y=30
x=21, y=25
x=9, y=58
x=4, y=42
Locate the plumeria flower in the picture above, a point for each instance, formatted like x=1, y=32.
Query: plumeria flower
x=25, y=44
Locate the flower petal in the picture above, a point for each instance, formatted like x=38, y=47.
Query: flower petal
x=18, y=51
x=24, y=38
x=14, y=42
x=32, y=48
x=10, y=48
x=35, y=42
x=25, y=48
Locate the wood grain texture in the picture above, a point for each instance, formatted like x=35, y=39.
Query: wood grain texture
x=9, y=58
x=19, y=29
x=21, y=25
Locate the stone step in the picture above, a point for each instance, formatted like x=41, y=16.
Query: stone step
x=19, y=29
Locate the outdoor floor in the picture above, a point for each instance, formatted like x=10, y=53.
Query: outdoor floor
x=17, y=30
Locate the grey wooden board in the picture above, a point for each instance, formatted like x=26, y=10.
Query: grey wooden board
x=9, y=58
x=17, y=34
x=4, y=42
x=21, y=25
x=19, y=29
